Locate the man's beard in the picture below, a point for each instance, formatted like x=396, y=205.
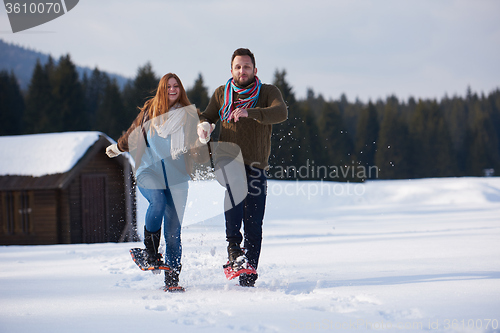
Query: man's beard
x=245, y=83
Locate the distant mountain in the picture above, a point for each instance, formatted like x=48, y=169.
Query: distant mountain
x=22, y=61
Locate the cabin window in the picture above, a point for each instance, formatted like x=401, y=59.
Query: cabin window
x=17, y=208
x=9, y=212
x=25, y=212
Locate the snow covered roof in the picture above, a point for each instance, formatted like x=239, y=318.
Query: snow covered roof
x=43, y=154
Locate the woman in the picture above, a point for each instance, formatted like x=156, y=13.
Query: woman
x=158, y=140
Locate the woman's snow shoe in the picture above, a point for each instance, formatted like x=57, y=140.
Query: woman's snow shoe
x=149, y=259
x=143, y=260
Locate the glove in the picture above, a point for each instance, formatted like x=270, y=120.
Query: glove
x=113, y=151
x=204, y=130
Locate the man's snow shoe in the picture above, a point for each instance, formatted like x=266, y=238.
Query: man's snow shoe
x=237, y=263
x=231, y=270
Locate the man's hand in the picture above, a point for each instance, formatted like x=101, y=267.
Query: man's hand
x=204, y=130
x=113, y=151
x=237, y=114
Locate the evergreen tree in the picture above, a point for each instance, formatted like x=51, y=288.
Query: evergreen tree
x=198, y=94
x=493, y=103
x=69, y=99
x=285, y=88
x=38, y=101
x=343, y=103
x=41, y=114
x=314, y=103
x=285, y=146
x=457, y=119
x=138, y=91
x=393, y=146
x=337, y=142
x=367, y=136
x=431, y=144
x=312, y=140
x=482, y=140
x=295, y=142
x=109, y=117
x=11, y=104
x=350, y=113
x=94, y=90
x=311, y=109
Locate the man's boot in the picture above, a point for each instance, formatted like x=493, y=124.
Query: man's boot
x=248, y=280
x=236, y=256
x=233, y=252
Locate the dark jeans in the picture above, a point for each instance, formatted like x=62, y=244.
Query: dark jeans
x=250, y=213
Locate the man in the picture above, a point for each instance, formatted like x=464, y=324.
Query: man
x=247, y=110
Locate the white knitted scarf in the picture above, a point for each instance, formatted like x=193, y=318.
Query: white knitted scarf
x=172, y=123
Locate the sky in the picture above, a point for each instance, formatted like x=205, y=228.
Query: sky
x=366, y=49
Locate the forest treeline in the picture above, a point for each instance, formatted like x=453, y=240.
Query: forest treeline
x=322, y=139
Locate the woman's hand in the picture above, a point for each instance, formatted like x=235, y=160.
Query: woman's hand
x=113, y=151
x=204, y=130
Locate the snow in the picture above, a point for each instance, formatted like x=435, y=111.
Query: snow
x=43, y=154
x=414, y=255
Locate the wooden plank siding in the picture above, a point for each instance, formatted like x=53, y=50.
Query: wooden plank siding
x=41, y=228
x=94, y=208
x=44, y=215
x=115, y=207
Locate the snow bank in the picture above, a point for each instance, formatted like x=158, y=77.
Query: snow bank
x=410, y=256
x=43, y=154
x=317, y=199
x=291, y=199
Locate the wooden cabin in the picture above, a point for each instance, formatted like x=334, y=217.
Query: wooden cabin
x=62, y=188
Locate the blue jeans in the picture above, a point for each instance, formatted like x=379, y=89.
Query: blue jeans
x=250, y=213
x=162, y=208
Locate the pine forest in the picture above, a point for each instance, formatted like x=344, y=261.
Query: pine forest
x=331, y=140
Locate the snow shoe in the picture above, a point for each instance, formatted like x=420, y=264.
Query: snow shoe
x=149, y=259
x=176, y=289
x=231, y=270
x=146, y=262
x=237, y=263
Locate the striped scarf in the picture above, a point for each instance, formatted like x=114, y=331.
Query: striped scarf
x=249, y=102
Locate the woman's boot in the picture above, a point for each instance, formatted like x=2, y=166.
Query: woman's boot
x=152, y=243
x=172, y=280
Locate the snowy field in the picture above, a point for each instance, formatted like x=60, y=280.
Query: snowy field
x=419, y=255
